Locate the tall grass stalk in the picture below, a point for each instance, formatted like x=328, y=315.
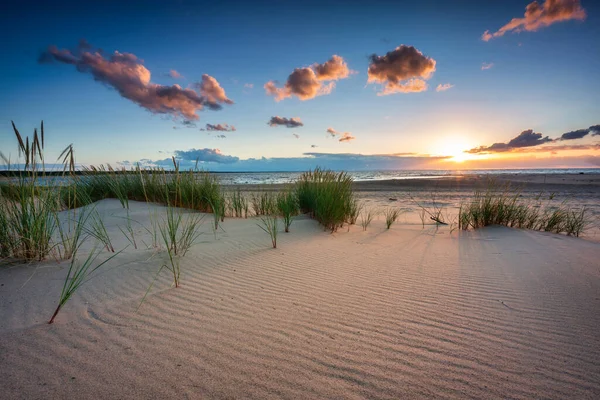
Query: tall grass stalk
x=287, y=205
x=366, y=217
x=269, y=224
x=78, y=274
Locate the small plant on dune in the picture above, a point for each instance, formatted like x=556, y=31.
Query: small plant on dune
x=268, y=223
x=435, y=212
x=78, y=274
x=287, y=204
x=72, y=235
x=391, y=215
x=366, y=217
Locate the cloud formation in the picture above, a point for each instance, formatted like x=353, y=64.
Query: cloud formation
x=309, y=82
x=347, y=137
x=218, y=127
x=287, y=122
x=595, y=130
x=126, y=73
x=578, y=134
x=443, y=87
x=344, y=136
x=205, y=155
x=174, y=74
x=538, y=16
x=485, y=66
x=526, y=138
x=402, y=70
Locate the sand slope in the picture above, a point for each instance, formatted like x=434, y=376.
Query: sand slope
x=405, y=313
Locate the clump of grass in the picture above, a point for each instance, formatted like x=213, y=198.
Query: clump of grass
x=327, y=196
x=391, y=215
x=269, y=224
x=263, y=203
x=29, y=203
x=366, y=217
x=238, y=205
x=502, y=205
x=287, y=205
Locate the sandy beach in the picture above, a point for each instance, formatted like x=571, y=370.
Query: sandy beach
x=413, y=312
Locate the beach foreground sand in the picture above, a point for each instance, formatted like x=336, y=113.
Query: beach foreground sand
x=411, y=312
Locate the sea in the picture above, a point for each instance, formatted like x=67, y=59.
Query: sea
x=264, y=178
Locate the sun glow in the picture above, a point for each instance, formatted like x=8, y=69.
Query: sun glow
x=454, y=147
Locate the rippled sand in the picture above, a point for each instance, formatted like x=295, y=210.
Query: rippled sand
x=407, y=313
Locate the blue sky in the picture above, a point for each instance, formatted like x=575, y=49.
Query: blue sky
x=545, y=79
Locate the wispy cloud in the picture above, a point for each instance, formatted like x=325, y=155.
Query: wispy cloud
x=540, y=15
x=287, y=122
x=346, y=137
x=296, y=135
x=131, y=79
x=486, y=65
x=218, y=127
x=402, y=70
x=443, y=87
x=309, y=82
x=248, y=85
x=174, y=74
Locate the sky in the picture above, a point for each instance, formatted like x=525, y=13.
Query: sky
x=287, y=85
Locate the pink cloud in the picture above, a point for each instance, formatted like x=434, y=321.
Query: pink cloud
x=308, y=82
x=126, y=73
x=538, y=16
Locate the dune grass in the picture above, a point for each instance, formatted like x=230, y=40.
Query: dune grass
x=287, y=206
x=366, y=217
x=391, y=215
x=269, y=224
x=327, y=196
x=263, y=203
x=503, y=205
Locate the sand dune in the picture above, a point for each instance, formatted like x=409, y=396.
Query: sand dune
x=405, y=313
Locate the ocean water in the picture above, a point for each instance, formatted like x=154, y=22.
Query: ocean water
x=261, y=178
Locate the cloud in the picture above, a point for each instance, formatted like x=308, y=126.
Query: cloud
x=215, y=161
x=248, y=85
x=174, y=74
x=220, y=136
x=332, y=70
x=578, y=134
x=126, y=73
x=309, y=82
x=204, y=155
x=287, y=122
x=218, y=127
x=485, y=66
x=538, y=16
x=188, y=124
x=595, y=129
x=554, y=149
x=526, y=138
x=212, y=90
x=402, y=70
x=444, y=87
x=346, y=137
